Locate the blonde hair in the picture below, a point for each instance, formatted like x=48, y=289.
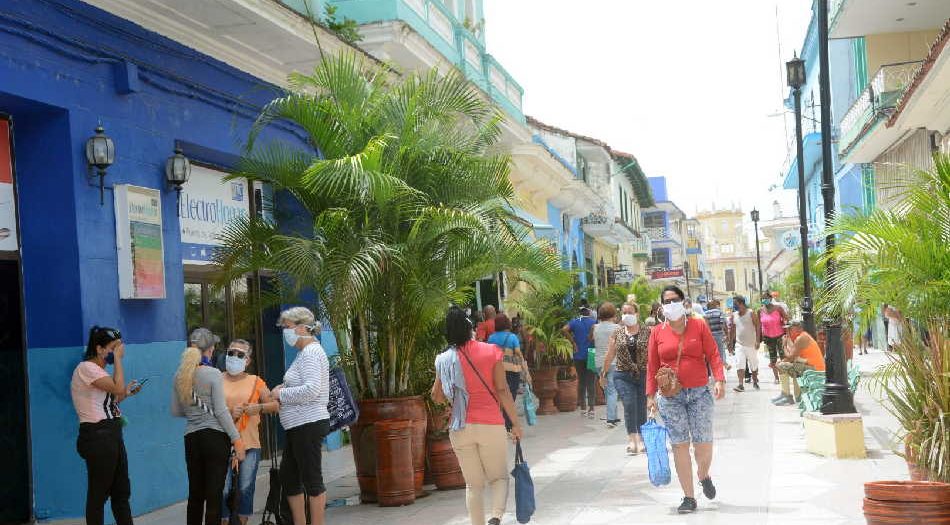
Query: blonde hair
x=185, y=376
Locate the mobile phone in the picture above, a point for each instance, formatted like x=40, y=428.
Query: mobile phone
x=141, y=383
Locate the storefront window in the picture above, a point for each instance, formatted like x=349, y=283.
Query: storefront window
x=227, y=311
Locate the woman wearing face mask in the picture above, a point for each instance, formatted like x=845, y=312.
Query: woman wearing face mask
x=247, y=398
x=303, y=399
x=687, y=347
x=210, y=434
x=629, y=347
x=96, y=396
x=772, y=319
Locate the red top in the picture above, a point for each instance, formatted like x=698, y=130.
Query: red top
x=485, y=329
x=699, y=347
x=482, y=407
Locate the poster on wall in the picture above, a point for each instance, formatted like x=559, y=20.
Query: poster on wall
x=8, y=236
x=207, y=205
x=138, y=226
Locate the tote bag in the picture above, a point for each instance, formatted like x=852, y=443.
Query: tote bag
x=530, y=405
x=342, y=407
x=658, y=461
x=524, y=487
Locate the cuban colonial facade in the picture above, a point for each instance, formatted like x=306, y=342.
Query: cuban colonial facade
x=730, y=257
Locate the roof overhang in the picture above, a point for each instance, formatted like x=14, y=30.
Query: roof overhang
x=926, y=102
x=855, y=18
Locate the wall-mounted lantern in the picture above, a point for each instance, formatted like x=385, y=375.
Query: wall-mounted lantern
x=100, y=153
x=177, y=170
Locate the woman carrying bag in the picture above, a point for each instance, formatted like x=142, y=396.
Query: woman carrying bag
x=463, y=374
x=677, y=356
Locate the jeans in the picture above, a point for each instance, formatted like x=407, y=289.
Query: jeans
x=721, y=345
x=514, y=382
x=207, y=452
x=247, y=475
x=610, y=394
x=586, y=395
x=482, y=451
x=107, y=467
x=632, y=390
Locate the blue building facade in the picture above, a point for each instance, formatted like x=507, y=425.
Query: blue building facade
x=67, y=67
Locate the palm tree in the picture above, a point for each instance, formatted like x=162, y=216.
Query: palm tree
x=408, y=205
x=899, y=256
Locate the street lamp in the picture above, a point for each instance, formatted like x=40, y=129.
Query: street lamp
x=837, y=398
x=758, y=257
x=795, y=70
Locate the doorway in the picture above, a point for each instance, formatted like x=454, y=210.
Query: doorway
x=14, y=440
x=227, y=311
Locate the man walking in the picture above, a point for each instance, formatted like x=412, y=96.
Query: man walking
x=717, y=325
x=579, y=332
x=745, y=334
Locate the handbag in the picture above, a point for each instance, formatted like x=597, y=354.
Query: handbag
x=524, y=487
x=342, y=406
x=234, y=498
x=592, y=359
x=666, y=381
x=530, y=405
x=658, y=461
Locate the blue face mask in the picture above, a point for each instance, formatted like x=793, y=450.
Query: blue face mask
x=290, y=336
x=110, y=358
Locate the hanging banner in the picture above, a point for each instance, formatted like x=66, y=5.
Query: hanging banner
x=667, y=274
x=138, y=226
x=8, y=236
x=207, y=206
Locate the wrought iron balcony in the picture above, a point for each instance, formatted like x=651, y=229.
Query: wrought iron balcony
x=641, y=246
x=876, y=102
x=664, y=234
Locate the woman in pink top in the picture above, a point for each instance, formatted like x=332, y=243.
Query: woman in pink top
x=474, y=373
x=96, y=396
x=772, y=319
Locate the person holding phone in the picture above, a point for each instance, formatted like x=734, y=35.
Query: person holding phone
x=247, y=397
x=96, y=396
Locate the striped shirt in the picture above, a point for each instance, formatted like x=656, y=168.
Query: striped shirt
x=306, y=391
x=714, y=318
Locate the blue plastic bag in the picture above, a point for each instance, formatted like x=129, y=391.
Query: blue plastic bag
x=530, y=405
x=658, y=460
x=524, y=488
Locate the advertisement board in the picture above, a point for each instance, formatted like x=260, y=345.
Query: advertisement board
x=207, y=206
x=8, y=236
x=667, y=274
x=139, y=243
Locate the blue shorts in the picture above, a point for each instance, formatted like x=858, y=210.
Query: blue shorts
x=688, y=416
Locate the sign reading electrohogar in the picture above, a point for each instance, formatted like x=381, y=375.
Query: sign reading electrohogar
x=208, y=204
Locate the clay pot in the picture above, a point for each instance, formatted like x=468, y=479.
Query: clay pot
x=899, y=502
x=916, y=473
x=545, y=387
x=363, y=436
x=393, y=461
x=566, y=394
x=444, y=465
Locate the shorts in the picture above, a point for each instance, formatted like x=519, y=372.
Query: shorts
x=747, y=356
x=301, y=469
x=795, y=369
x=688, y=416
x=774, y=345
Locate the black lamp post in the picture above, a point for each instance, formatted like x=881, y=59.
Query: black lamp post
x=837, y=398
x=100, y=153
x=795, y=71
x=177, y=170
x=758, y=257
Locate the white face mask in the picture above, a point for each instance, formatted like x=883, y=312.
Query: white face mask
x=290, y=336
x=628, y=319
x=235, y=365
x=674, y=311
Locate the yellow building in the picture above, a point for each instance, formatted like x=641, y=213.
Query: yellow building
x=730, y=261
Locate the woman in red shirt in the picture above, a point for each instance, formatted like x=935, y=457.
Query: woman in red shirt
x=687, y=346
x=471, y=376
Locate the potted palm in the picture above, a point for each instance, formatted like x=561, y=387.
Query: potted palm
x=406, y=203
x=544, y=315
x=900, y=256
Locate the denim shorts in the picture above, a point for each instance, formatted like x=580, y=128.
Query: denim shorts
x=688, y=416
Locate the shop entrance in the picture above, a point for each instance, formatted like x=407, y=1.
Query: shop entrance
x=225, y=310
x=14, y=441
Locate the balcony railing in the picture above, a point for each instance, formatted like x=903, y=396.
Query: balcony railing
x=641, y=246
x=435, y=22
x=664, y=234
x=876, y=101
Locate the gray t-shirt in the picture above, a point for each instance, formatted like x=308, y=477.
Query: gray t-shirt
x=603, y=331
x=211, y=393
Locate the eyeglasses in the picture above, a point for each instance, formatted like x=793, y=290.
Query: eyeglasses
x=234, y=352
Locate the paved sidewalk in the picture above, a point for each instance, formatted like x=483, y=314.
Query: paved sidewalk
x=583, y=476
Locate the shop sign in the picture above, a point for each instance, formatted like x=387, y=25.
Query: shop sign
x=207, y=206
x=667, y=274
x=8, y=236
x=138, y=226
x=624, y=276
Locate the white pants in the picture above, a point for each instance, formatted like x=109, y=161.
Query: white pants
x=747, y=354
x=482, y=451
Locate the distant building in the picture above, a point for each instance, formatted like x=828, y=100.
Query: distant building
x=675, y=242
x=730, y=258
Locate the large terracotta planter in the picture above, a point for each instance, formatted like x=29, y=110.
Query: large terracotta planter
x=900, y=502
x=567, y=394
x=916, y=473
x=363, y=435
x=545, y=387
x=393, y=460
x=444, y=465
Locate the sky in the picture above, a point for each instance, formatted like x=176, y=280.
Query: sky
x=687, y=86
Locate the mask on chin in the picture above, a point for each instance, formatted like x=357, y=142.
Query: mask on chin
x=674, y=311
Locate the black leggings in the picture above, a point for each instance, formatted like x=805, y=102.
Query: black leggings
x=207, y=452
x=586, y=385
x=107, y=466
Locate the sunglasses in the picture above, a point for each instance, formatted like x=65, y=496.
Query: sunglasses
x=234, y=352
x=110, y=333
